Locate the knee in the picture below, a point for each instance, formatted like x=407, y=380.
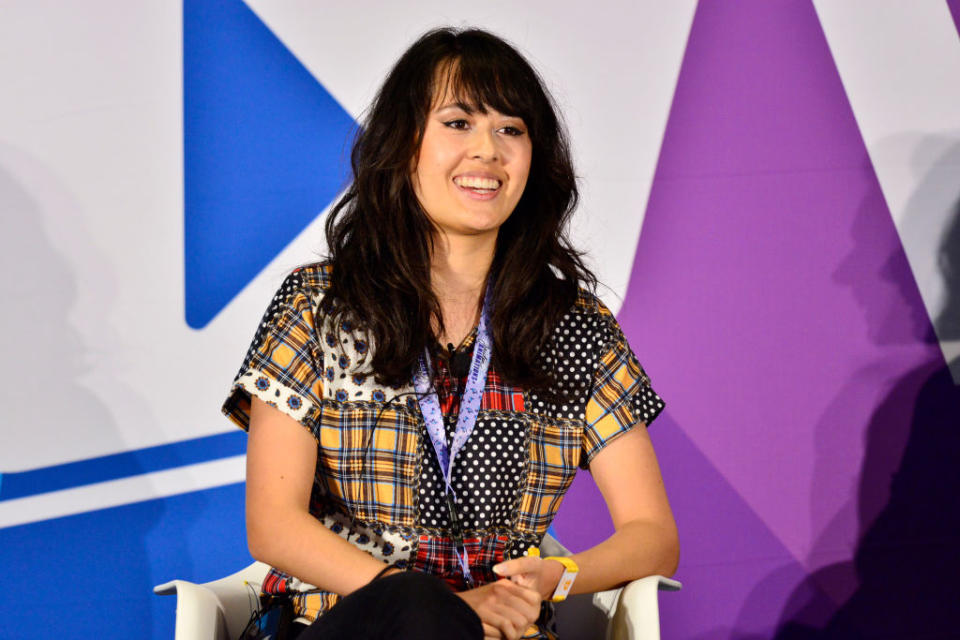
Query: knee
x=412, y=587
x=424, y=602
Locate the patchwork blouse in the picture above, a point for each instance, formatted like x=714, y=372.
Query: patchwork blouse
x=378, y=483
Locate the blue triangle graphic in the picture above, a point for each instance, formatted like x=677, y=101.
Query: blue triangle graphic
x=266, y=149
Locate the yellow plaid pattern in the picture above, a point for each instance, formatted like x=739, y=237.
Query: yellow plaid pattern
x=621, y=398
x=368, y=459
x=554, y=454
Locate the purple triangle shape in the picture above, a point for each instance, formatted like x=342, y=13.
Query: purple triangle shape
x=773, y=305
x=770, y=298
x=954, y=6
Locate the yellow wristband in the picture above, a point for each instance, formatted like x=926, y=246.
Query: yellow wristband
x=570, y=570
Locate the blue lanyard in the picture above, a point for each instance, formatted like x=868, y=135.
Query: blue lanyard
x=466, y=421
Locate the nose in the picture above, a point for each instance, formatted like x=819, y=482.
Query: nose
x=485, y=146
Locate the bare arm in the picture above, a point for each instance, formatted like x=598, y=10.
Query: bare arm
x=281, y=462
x=645, y=538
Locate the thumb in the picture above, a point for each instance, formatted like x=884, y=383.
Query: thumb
x=515, y=567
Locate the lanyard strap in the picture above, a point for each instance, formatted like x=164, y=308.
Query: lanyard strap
x=466, y=421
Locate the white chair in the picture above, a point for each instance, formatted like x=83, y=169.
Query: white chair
x=220, y=610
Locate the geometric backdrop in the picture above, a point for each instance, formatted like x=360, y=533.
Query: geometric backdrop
x=770, y=197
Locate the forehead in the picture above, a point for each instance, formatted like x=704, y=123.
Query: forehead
x=452, y=86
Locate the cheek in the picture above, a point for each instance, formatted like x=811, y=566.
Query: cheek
x=434, y=170
x=522, y=161
x=524, y=176
x=427, y=172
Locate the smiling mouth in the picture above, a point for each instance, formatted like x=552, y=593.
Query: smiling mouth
x=477, y=185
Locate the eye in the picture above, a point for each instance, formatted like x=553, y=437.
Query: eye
x=513, y=131
x=458, y=123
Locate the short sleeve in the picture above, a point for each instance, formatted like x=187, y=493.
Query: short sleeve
x=621, y=397
x=284, y=364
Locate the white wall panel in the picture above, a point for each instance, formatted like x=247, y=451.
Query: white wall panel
x=90, y=164
x=91, y=180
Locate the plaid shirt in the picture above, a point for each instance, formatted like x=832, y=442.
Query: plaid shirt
x=378, y=484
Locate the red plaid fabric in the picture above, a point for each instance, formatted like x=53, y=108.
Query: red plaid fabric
x=275, y=582
x=497, y=395
x=436, y=555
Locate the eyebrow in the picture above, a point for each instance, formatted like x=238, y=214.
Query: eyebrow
x=469, y=109
x=463, y=106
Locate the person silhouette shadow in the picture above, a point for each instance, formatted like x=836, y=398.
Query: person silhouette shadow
x=907, y=559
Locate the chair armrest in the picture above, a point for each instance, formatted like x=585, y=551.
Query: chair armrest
x=199, y=613
x=634, y=611
x=215, y=610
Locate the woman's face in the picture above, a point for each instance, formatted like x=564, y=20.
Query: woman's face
x=472, y=167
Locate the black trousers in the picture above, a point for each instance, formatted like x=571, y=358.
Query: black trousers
x=402, y=606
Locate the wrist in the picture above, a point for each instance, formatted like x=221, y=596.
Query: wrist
x=384, y=572
x=568, y=576
x=552, y=572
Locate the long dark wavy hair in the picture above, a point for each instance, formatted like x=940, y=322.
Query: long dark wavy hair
x=380, y=239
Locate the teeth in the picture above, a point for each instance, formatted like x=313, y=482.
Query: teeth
x=473, y=182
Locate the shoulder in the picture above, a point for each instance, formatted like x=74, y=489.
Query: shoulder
x=302, y=289
x=588, y=321
x=310, y=280
x=572, y=354
x=293, y=308
x=316, y=274
x=588, y=303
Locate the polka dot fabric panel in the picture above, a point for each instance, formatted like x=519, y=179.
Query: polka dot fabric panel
x=487, y=478
x=571, y=355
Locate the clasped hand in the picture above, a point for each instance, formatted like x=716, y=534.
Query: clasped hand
x=510, y=605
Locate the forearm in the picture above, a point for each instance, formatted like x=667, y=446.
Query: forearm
x=637, y=549
x=298, y=544
x=281, y=463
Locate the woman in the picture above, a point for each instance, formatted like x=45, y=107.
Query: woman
x=397, y=485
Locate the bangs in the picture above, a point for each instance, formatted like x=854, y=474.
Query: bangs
x=483, y=82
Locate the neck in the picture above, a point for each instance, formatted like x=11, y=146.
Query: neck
x=459, y=266
x=458, y=274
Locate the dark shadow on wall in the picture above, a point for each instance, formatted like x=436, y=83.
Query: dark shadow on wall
x=50, y=406
x=103, y=571
x=904, y=578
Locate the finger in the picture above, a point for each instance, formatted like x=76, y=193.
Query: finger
x=507, y=621
x=510, y=586
x=526, y=588
x=516, y=566
x=518, y=613
x=521, y=609
x=491, y=632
